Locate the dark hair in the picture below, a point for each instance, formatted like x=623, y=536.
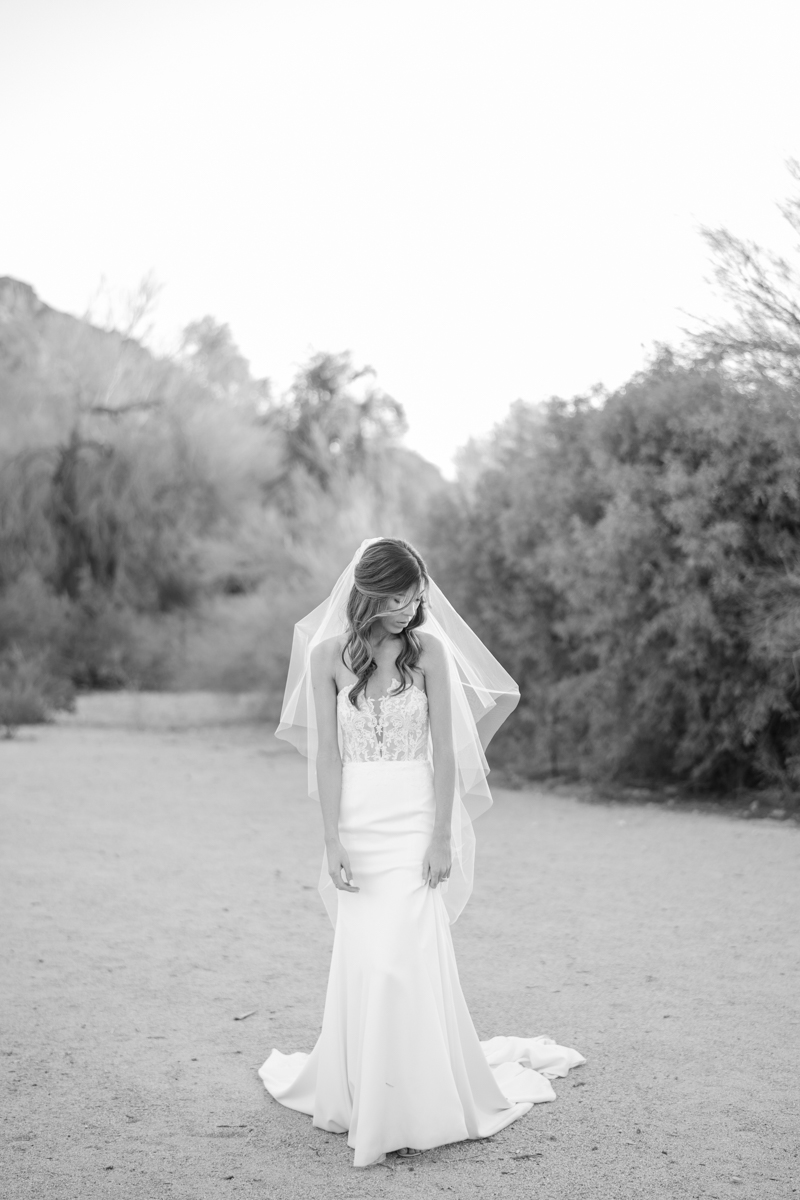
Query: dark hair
x=387, y=568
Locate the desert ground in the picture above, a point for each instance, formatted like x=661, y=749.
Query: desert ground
x=159, y=881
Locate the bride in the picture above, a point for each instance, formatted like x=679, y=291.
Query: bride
x=393, y=698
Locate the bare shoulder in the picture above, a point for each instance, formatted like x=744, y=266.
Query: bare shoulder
x=433, y=657
x=326, y=654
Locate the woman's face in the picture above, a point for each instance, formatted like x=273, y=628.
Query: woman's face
x=400, y=609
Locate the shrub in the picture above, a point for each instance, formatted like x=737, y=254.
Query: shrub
x=29, y=691
x=633, y=560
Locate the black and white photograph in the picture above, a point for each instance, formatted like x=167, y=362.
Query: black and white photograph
x=399, y=600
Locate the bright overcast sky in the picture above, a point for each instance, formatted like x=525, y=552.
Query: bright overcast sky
x=484, y=199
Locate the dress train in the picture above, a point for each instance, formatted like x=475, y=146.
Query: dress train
x=398, y=1062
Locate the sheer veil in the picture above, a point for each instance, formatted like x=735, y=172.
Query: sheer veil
x=483, y=694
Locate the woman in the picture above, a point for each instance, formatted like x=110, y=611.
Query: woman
x=393, y=699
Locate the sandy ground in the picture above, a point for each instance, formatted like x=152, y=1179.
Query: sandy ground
x=158, y=883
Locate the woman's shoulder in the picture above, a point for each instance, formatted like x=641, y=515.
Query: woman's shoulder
x=433, y=653
x=327, y=652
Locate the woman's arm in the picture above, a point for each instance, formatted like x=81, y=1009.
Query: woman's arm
x=438, y=860
x=329, y=762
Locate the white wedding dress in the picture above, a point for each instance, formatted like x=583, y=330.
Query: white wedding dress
x=398, y=1062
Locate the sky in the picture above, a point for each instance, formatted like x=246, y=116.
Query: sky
x=484, y=200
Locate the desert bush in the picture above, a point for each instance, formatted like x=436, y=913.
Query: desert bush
x=635, y=559
x=30, y=692
x=172, y=518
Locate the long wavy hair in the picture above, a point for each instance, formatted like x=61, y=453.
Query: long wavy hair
x=390, y=567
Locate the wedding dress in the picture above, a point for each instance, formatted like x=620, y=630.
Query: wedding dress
x=398, y=1062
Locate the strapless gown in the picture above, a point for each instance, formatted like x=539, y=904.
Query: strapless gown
x=398, y=1062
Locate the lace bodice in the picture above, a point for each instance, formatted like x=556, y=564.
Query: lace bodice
x=393, y=728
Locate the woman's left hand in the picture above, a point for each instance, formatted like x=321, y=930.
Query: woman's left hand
x=437, y=861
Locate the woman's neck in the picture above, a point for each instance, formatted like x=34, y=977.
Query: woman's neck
x=381, y=639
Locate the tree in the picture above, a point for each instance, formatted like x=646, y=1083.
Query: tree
x=335, y=416
x=635, y=561
x=763, y=289
x=209, y=353
x=177, y=518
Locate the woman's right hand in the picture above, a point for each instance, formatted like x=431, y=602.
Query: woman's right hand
x=339, y=867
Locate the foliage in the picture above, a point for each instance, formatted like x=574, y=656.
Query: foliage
x=336, y=421
x=635, y=557
x=209, y=354
x=168, y=519
x=762, y=337
x=29, y=691
x=635, y=560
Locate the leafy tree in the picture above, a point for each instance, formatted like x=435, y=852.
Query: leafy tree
x=635, y=560
x=335, y=417
x=179, y=519
x=209, y=353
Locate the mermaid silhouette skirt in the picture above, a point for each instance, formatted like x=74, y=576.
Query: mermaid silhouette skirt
x=398, y=1062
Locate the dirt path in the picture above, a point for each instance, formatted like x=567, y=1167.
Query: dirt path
x=157, y=884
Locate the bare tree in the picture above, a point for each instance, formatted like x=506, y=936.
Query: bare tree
x=763, y=290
